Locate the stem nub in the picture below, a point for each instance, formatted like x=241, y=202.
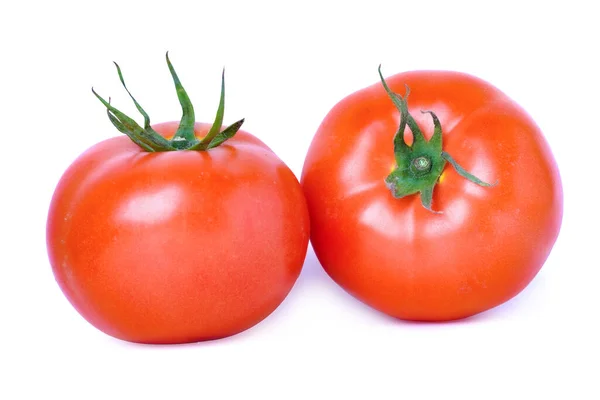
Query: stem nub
x=420, y=165
x=185, y=138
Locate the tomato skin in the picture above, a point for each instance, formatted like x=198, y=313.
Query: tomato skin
x=181, y=246
x=396, y=256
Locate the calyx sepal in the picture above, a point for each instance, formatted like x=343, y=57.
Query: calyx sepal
x=184, y=139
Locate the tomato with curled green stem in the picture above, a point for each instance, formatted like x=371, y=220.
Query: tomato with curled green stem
x=180, y=232
x=434, y=206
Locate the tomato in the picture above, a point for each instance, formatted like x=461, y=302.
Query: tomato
x=177, y=246
x=395, y=225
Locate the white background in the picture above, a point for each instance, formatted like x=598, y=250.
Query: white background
x=287, y=64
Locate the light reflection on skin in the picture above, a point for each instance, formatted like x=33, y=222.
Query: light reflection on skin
x=447, y=116
x=454, y=213
x=381, y=218
x=353, y=172
x=485, y=172
x=151, y=207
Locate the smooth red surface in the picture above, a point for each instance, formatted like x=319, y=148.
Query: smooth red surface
x=177, y=246
x=403, y=260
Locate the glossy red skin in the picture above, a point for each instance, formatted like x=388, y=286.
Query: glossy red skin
x=393, y=254
x=177, y=247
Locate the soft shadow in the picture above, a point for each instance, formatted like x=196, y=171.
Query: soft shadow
x=204, y=343
x=312, y=268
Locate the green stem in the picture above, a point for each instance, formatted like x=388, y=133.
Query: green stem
x=216, y=126
x=136, y=133
x=462, y=172
x=420, y=165
x=184, y=139
x=185, y=132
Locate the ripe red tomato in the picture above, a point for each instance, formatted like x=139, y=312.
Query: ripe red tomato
x=177, y=246
x=380, y=231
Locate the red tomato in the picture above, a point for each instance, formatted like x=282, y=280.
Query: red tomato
x=480, y=247
x=177, y=246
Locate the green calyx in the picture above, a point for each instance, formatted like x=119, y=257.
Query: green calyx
x=420, y=165
x=184, y=139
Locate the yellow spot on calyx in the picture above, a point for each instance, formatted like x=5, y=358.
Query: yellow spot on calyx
x=442, y=176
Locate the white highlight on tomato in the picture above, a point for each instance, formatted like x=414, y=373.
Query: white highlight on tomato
x=152, y=207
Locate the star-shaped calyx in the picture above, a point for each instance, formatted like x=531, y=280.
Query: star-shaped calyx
x=420, y=165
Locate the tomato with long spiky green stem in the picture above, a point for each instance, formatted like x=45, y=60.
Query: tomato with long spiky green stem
x=177, y=232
